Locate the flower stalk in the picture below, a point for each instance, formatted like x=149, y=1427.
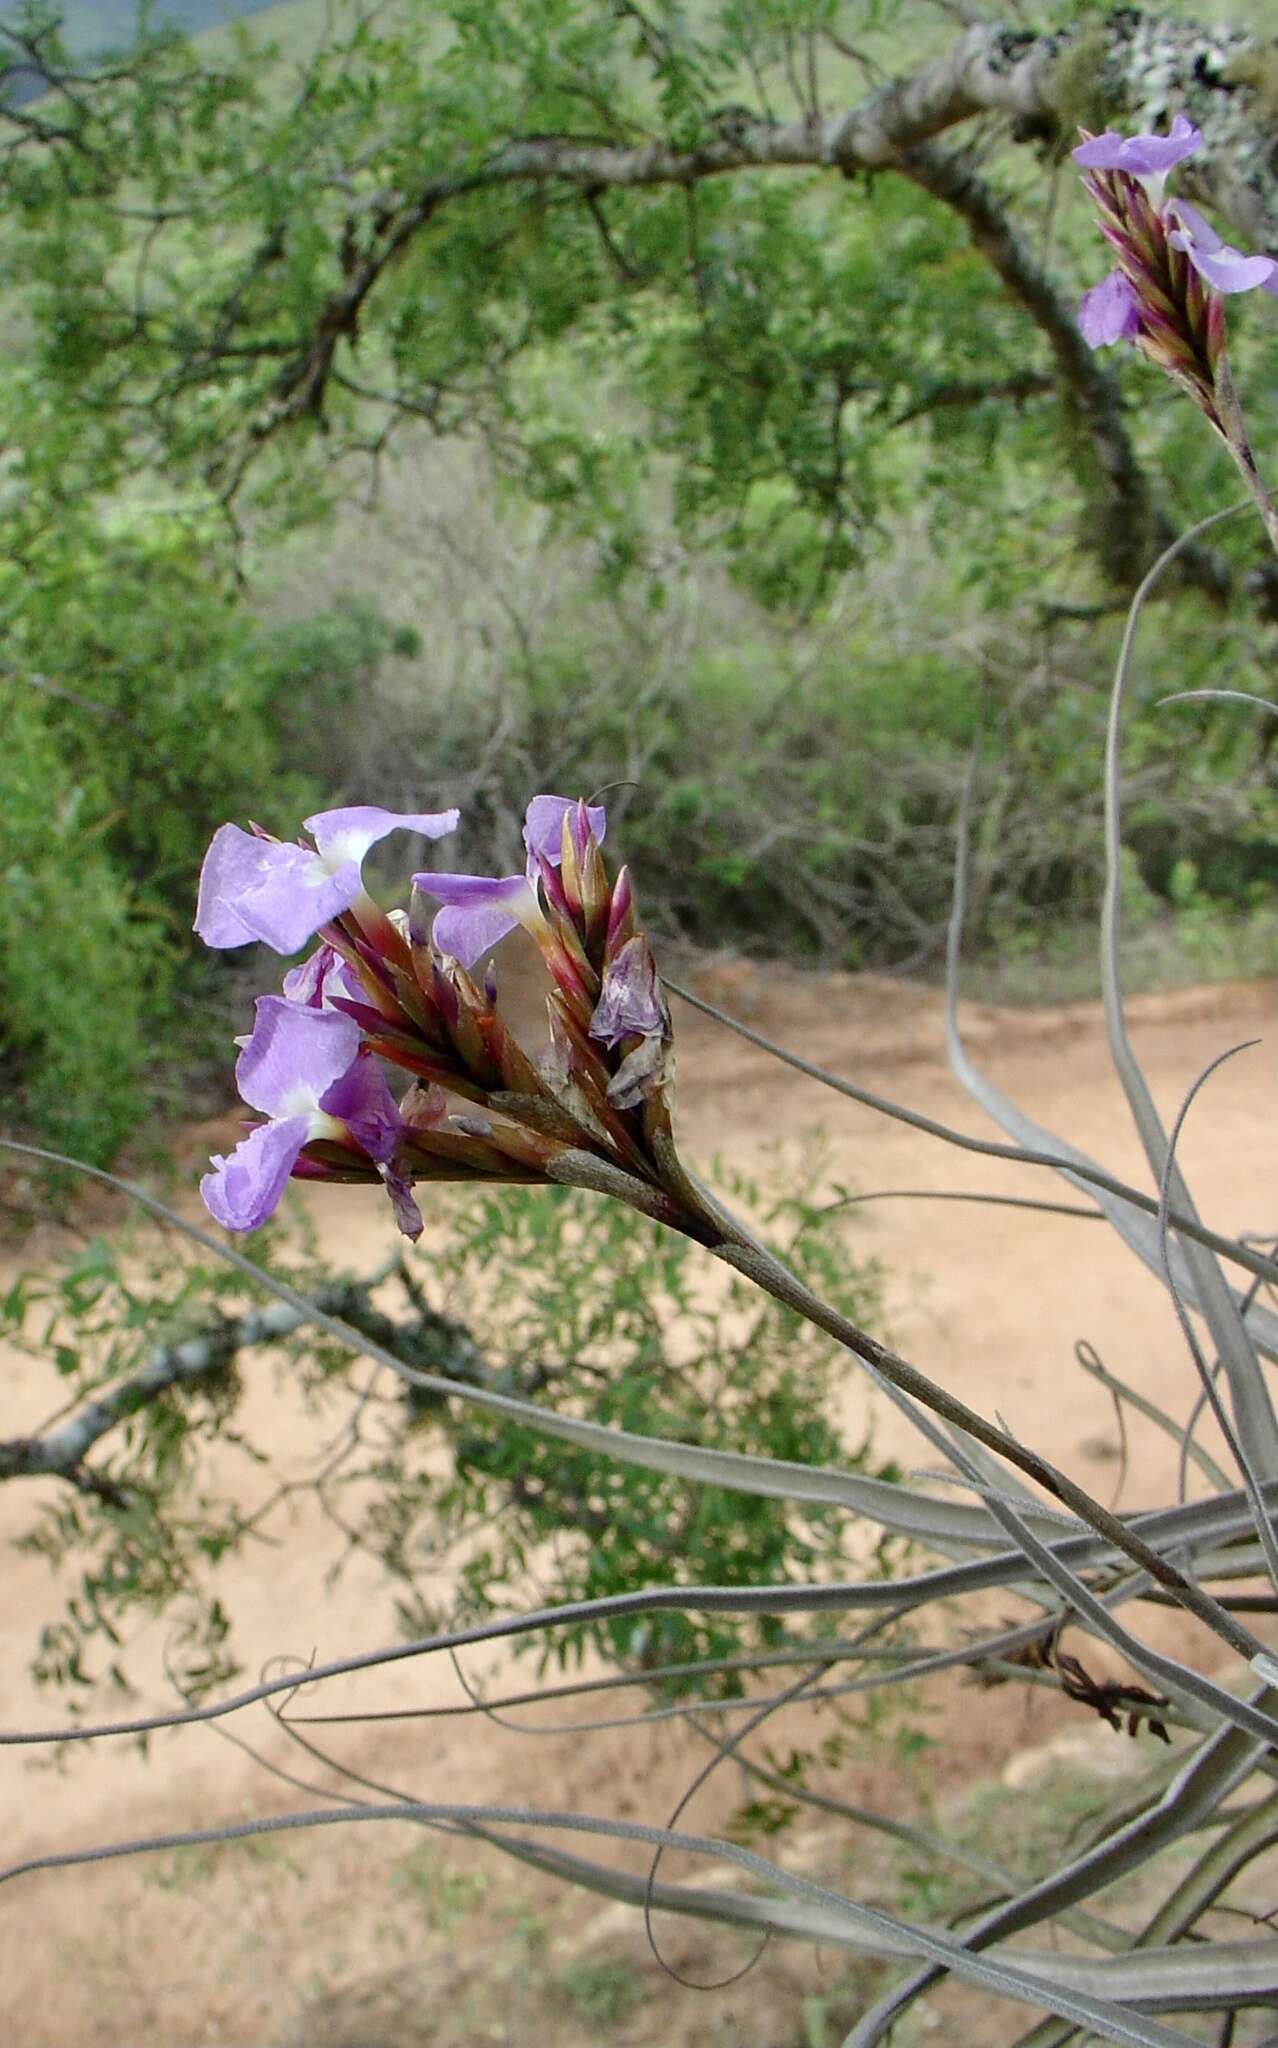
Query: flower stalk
x=594, y=1114
x=1167, y=290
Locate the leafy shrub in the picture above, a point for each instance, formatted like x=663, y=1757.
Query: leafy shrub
x=786, y=785
x=146, y=703
x=76, y=957
x=619, y=1326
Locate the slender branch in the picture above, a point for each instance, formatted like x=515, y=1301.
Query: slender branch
x=758, y=1265
x=989, y=1148
x=962, y=394
x=989, y=69
x=61, y=1452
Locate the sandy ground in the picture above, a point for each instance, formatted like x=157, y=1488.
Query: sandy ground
x=442, y=1943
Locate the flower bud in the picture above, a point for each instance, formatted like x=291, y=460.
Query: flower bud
x=596, y=897
x=621, y=916
x=570, y=863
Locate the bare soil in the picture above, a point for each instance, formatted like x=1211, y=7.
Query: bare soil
x=386, y=1937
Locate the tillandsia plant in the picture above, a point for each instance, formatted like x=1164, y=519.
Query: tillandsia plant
x=595, y=1113
x=1167, y=291
x=397, y=987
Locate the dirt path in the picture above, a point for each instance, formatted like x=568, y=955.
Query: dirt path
x=230, y=1949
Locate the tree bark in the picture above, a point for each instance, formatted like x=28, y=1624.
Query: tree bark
x=1133, y=68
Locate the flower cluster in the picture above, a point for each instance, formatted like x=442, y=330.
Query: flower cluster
x=1166, y=290
x=396, y=987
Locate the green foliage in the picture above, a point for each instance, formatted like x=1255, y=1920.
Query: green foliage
x=793, y=357
x=146, y=703
x=76, y=956
x=568, y=1299
x=154, y=687
x=603, y=1991
x=145, y=1541
x=818, y=513
x=617, y=1325
x=792, y=788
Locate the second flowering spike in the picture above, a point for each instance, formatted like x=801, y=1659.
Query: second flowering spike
x=1165, y=292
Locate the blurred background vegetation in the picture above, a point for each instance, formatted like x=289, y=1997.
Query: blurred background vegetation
x=757, y=496
x=619, y=1329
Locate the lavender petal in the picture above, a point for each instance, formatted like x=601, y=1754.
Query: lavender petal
x=231, y=865
x=267, y=890
x=242, y=1191
x=1190, y=226
x=1225, y=269
x=361, y=1100
x=478, y=911
x=1143, y=156
x=347, y=834
x=1109, y=312
x=294, y=1056
x=544, y=824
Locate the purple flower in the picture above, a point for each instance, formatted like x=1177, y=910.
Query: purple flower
x=303, y=1069
x=544, y=825
x=1109, y=312
x=1149, y=299
x=630, y=1002
x=242, y=1191
x=320, y=978
x=363, y=1104
x=281, y=893
x=1141, y=156
x=1223, y=268
x=480, y=909
x=293, y=1056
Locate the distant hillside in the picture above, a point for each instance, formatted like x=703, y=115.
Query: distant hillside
x=90, y=26
x=106, y=24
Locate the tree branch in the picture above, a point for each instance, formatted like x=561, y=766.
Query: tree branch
x=1140, y=65
x=965, y=393
x=992, y=69
x=1133, y=530
x=62, y=1451
x=1128, y=65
